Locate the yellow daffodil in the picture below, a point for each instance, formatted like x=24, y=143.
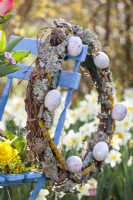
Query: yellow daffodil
x=7, y=153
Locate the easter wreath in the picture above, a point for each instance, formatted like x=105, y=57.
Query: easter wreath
x=43, y=98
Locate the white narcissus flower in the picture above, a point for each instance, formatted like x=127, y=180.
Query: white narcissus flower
x=71, y=117
x=124, y=137
x=74, y=114
x=115, y=142
x=73, y=140
x=42, y=194
x=87, y=129
x=89, y=189
x=124, y=125
x=113, y=158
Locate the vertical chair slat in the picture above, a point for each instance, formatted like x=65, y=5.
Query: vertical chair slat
x=5, y=96
x=38, y=187
x=62, y=118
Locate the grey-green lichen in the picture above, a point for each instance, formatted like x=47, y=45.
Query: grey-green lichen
x=40, y=87
x=53, y=58
x=48, y=118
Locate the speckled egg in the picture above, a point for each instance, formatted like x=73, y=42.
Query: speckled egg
x=52, y=100
x=75, y=46
x=101, y=60
x=119, y=112
x=100, y=151
x=74, y=164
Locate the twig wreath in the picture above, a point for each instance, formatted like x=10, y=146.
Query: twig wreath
x=43, y=98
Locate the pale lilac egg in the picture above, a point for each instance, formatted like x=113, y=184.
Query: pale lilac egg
x=75, y=46
x=100, y=151
x=119, y=112
x=101, y=60
x=53, y=100
x=74, y=164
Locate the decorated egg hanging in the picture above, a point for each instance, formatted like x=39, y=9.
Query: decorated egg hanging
x=74, y=164
x=75, y=46
x=52, y=100
x=101, y=60
x=100, y=151
x=119, y=112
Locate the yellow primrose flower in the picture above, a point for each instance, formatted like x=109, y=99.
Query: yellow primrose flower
x=7, y=153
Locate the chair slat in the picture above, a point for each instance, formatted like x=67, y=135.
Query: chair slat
x=17, y=177
x=5, y=96
x=38, y=187
x=82, y=55
x=32, y=175
x=2, y=179
x=23, y=73
x=26, y=44
x=69, y=80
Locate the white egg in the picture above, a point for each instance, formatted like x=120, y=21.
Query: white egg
x=100, y=151
x=119, y=112
x=75, y=46
x=52, y=100
x=101, y=60
x=74, y=164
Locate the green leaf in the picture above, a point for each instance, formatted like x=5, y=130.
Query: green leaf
x=19, y=55
x=4, y=18
x=11, y=130
x=9, y=134
x=13, y=44
x=19, y=143
x=7, y=68
x=2, y=40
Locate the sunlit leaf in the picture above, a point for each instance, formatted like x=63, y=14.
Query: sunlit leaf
x=19, y=55
x=2, y=40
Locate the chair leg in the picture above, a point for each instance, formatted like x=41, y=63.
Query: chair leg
x=5, y=96
x=38, y=187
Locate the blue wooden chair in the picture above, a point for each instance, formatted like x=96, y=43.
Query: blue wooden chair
x=68, y=80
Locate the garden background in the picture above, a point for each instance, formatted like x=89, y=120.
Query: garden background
x=113, y=23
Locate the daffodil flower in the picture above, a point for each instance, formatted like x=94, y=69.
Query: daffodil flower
x=7, y=153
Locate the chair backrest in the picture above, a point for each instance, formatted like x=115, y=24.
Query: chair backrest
x=68, y=80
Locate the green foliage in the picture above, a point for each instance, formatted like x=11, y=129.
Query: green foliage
x=5, y=18
x=19, y=55
x=2, y=41
x=13, y=44
x=7, y=68
x=12, y=133
x=11, y=130
x=19, y=143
